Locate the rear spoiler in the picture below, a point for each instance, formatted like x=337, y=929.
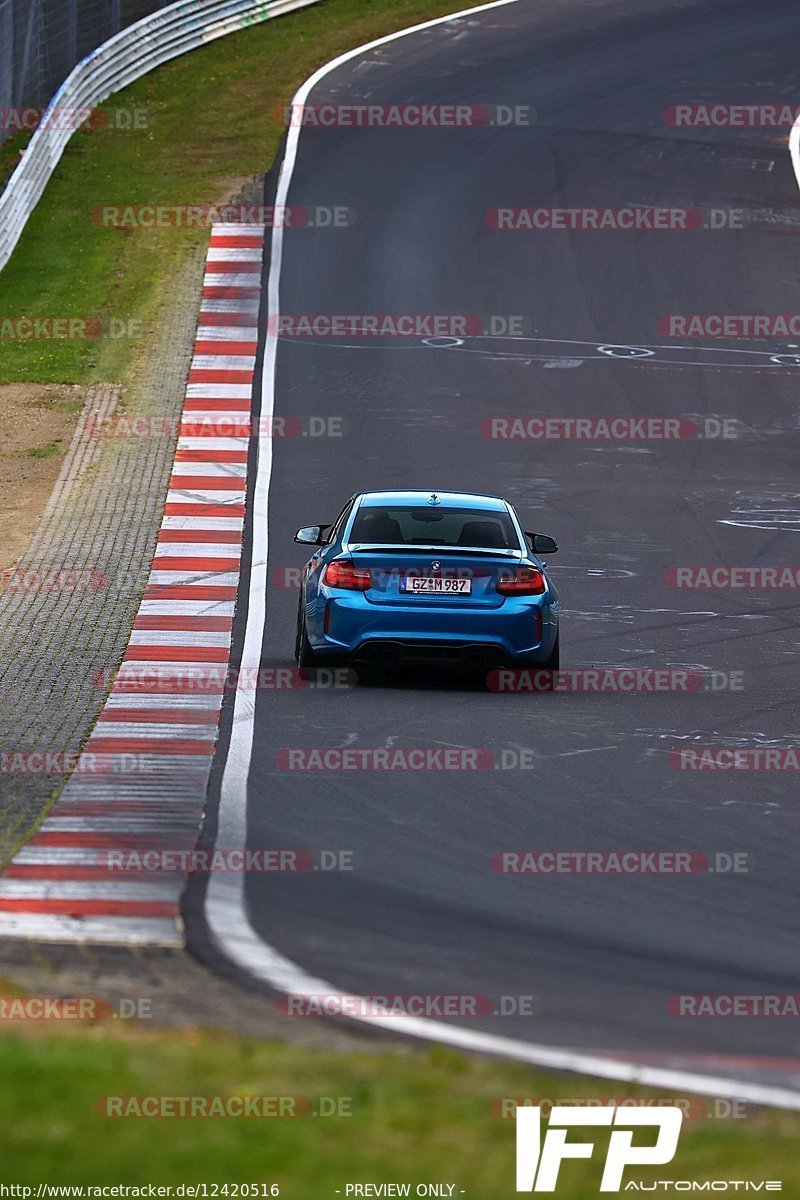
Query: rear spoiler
x=407, y=547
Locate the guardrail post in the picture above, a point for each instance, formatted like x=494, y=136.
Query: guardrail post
x=72, y=33
x=6, y=56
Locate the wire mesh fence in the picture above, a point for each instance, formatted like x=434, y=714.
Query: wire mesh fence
x=42, y=40
x=159, y=36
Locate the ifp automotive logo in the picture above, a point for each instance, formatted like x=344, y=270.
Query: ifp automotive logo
x=539, y=1161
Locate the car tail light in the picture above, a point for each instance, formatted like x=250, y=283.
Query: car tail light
x=527, y=581
x=342, y=573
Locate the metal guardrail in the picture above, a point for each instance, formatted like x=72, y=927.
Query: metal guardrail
x=186, y=25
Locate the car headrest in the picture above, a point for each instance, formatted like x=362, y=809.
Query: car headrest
x=482, y=533
x=376, y=527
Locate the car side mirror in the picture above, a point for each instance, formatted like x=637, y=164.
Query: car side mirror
x=541, y=543
x=312, y=535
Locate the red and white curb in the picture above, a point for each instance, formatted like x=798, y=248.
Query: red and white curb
x=141, y=780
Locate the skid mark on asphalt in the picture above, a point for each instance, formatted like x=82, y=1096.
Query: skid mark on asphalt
x=530, y=350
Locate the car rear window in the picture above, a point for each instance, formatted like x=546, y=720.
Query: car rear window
x=428, y=526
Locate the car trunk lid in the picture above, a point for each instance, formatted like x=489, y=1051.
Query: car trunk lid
x=469, y=576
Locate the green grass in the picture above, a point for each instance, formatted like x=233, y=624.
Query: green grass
x=423, y=1116
x=210, y=125
x=47, y=451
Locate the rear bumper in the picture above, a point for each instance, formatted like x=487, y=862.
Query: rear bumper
x=360, y=630
x=481, y=656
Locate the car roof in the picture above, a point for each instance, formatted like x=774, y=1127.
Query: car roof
x=446, y=499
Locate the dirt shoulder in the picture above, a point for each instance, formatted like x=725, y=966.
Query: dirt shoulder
x=38, y=421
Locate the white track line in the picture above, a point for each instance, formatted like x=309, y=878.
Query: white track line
x=225, y=905
x=794, y=149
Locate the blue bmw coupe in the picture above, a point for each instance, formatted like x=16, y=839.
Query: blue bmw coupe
x=447, y=576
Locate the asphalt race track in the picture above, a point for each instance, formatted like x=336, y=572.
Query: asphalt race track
x=423, y=911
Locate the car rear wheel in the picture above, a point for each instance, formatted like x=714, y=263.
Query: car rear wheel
x=543, y=674
x=303, y=652
x=554, y=661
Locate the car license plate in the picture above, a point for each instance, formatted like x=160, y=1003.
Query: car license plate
x=436, y=584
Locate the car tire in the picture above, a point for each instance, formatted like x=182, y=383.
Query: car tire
x=304, y=654
x=548, y=669
x=554, y=661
